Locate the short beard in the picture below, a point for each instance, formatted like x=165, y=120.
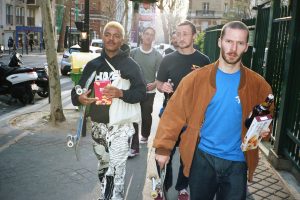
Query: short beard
x=185, y=47
x=231, y=62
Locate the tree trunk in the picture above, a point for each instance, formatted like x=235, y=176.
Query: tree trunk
x=56, y=110
x=165, y=27
x=126, y=19
x=65, y=21
x=164, y=21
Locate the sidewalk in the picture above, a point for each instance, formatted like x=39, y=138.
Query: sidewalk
x=37, y=165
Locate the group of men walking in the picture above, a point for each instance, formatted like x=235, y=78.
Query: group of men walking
x=203, y=112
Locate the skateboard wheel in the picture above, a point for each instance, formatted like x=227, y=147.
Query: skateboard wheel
x=78, y=90
x=70, y=143
x=154, y=194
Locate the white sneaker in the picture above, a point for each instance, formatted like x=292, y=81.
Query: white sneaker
x=132, y=153
x=144, y=140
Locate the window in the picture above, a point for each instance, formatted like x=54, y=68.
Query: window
x=9, y=14
x=225, y=7
x=19, y=16
x=205, y=6
x=31, y=18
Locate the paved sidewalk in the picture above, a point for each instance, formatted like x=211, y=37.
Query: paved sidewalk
x=267, y=184
x=39, y=166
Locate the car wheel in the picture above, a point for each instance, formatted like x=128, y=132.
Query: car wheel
x=64, y=72
x=43, y=93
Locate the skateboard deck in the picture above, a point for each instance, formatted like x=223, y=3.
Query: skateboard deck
x=74, y=140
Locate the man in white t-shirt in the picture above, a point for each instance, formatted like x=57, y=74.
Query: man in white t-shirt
x=149, y=60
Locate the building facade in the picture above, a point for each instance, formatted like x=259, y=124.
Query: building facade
x=100, y=12
x=206, y=13
x=21, y=20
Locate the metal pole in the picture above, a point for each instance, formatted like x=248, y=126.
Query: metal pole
x=76, y=10
x=70, y=25
x=85, y=43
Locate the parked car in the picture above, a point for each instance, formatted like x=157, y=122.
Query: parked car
x=65, y=64
x=161, y=47
x=96, y=44
x=95, y=50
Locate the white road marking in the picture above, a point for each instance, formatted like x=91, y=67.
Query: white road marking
x=129, y=184
x=14, y=140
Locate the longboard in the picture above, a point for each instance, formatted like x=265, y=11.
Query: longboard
x=74, y=140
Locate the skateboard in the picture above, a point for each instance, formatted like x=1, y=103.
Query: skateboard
x=74, y=140
x=158, y=191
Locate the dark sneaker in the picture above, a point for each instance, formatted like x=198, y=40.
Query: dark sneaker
x=132, y=153
x=144, y=140
x=183, y=195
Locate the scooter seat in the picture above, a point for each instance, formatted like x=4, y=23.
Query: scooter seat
x=6, y=71
x=22, y=70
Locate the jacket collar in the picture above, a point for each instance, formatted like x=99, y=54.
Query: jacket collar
x=214, y=72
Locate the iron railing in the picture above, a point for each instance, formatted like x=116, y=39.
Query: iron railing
x=276, y=60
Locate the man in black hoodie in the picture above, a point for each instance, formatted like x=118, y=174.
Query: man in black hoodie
x=111, y=142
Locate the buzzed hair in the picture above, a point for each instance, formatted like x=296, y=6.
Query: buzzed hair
x=189, y=23
x=149, y=28
x=235, y=25
x=116, y=25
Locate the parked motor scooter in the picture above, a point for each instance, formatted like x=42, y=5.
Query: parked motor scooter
x=41, y=86
x=17, y=82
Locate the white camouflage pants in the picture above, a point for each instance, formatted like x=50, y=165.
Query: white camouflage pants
x=111, y=149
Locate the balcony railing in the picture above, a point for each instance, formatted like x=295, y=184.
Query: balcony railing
x=205, y=14
x=209, y=13
x=30, y=21
x=31, y=2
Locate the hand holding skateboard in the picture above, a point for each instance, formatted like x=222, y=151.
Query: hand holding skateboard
x=83, y=93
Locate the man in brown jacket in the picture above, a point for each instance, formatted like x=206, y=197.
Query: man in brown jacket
x=214, y=102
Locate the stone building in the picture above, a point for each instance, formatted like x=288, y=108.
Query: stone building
x=205, y=13
x=21, y=20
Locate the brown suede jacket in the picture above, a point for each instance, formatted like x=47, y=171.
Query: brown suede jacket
x=188, y=105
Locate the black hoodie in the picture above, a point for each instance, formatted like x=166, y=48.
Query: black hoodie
x=128, y=69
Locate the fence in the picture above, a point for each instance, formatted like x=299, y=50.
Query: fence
x=273, y=42
x=284, y=77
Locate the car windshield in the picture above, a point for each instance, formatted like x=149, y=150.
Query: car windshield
x=74, y=50
x=95, y=44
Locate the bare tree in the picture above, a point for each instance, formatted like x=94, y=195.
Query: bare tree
x=65, y=20
x=161, y=8
x=124, y=18
x=171, y=15
x=110, y=8
x=238, y=11
x=56, y=110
